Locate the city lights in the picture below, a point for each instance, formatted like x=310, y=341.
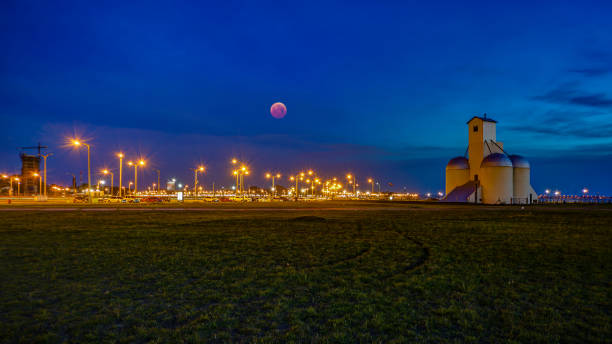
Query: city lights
x=304, y=185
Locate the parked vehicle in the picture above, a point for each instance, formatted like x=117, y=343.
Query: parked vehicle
x=80, y=199
x=152, y=199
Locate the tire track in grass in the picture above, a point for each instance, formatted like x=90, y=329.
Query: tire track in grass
x=421, y=260
x=352, y=257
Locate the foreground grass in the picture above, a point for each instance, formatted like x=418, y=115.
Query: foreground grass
x=451, y=274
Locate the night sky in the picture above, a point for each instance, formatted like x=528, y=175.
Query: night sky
x=378, y=89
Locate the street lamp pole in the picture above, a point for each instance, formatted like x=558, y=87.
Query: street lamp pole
x=39, y=183
x=195, y=182
x=78, y=143
x=45, y=170
x=89, y=173
x=112, y=181
x=195, y=179
x=141, y=163
x=273, y=176
x=120, y=155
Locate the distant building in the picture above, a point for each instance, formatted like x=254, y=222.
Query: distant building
x=488, y=175
x=171, y=185
x=30, y=164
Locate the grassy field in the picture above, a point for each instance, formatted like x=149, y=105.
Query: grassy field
x=423, y=273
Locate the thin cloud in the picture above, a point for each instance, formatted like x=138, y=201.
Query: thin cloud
x=570, y=94
x=566, y=126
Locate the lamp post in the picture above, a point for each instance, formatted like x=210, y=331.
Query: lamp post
x=11, y=182
x=371, y=182
x=112, y=181
x=268, y=176
x=45, y=171
x=78, y=143
x=130, y=187
x=297, y=178
x=10, y=178
x=39, y=182
x=311, y=181
x=141, y=163
x=235, y=172
x=103, y=182
x=292, y=178
x=195, y=179
x=120, y=156
x=352, y=180
x=240, y=173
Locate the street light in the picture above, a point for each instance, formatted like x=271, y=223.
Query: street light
x=11, y=178
x=240, y=173
x=78, y=143
x=352, y=180
x=141, y=163
x=371, y=181
x=120, y=156
x=195, y=179
x=268, y=176
x=235, y=172
x=112, y=181
x=39, y=182
x=297, y=178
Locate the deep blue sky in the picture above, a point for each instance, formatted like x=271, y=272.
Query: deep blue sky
x=381, y=89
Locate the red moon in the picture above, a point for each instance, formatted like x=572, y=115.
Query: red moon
x=278, y=110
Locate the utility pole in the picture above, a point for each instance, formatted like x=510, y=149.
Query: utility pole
x=45, y=171
x=120, y=156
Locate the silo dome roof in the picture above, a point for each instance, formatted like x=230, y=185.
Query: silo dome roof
x=496, y=160
x=458, y=163
x=519, y=161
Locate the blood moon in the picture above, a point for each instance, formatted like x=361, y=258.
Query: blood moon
x=278, y=110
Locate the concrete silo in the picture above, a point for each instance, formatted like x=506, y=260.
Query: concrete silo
x=521, y=180
x=496, y=179
x=457, y=173
x=489, y=175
